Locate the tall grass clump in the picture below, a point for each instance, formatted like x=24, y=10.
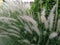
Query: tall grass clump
x=18, y=27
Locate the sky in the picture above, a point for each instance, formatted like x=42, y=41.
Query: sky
x=27, y=0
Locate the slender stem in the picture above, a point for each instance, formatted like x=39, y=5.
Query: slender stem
x=38, y=41
x=56, y=17
x=47, y=42
x=41, y=4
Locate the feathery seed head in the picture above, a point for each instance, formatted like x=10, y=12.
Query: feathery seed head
x=53, y=35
